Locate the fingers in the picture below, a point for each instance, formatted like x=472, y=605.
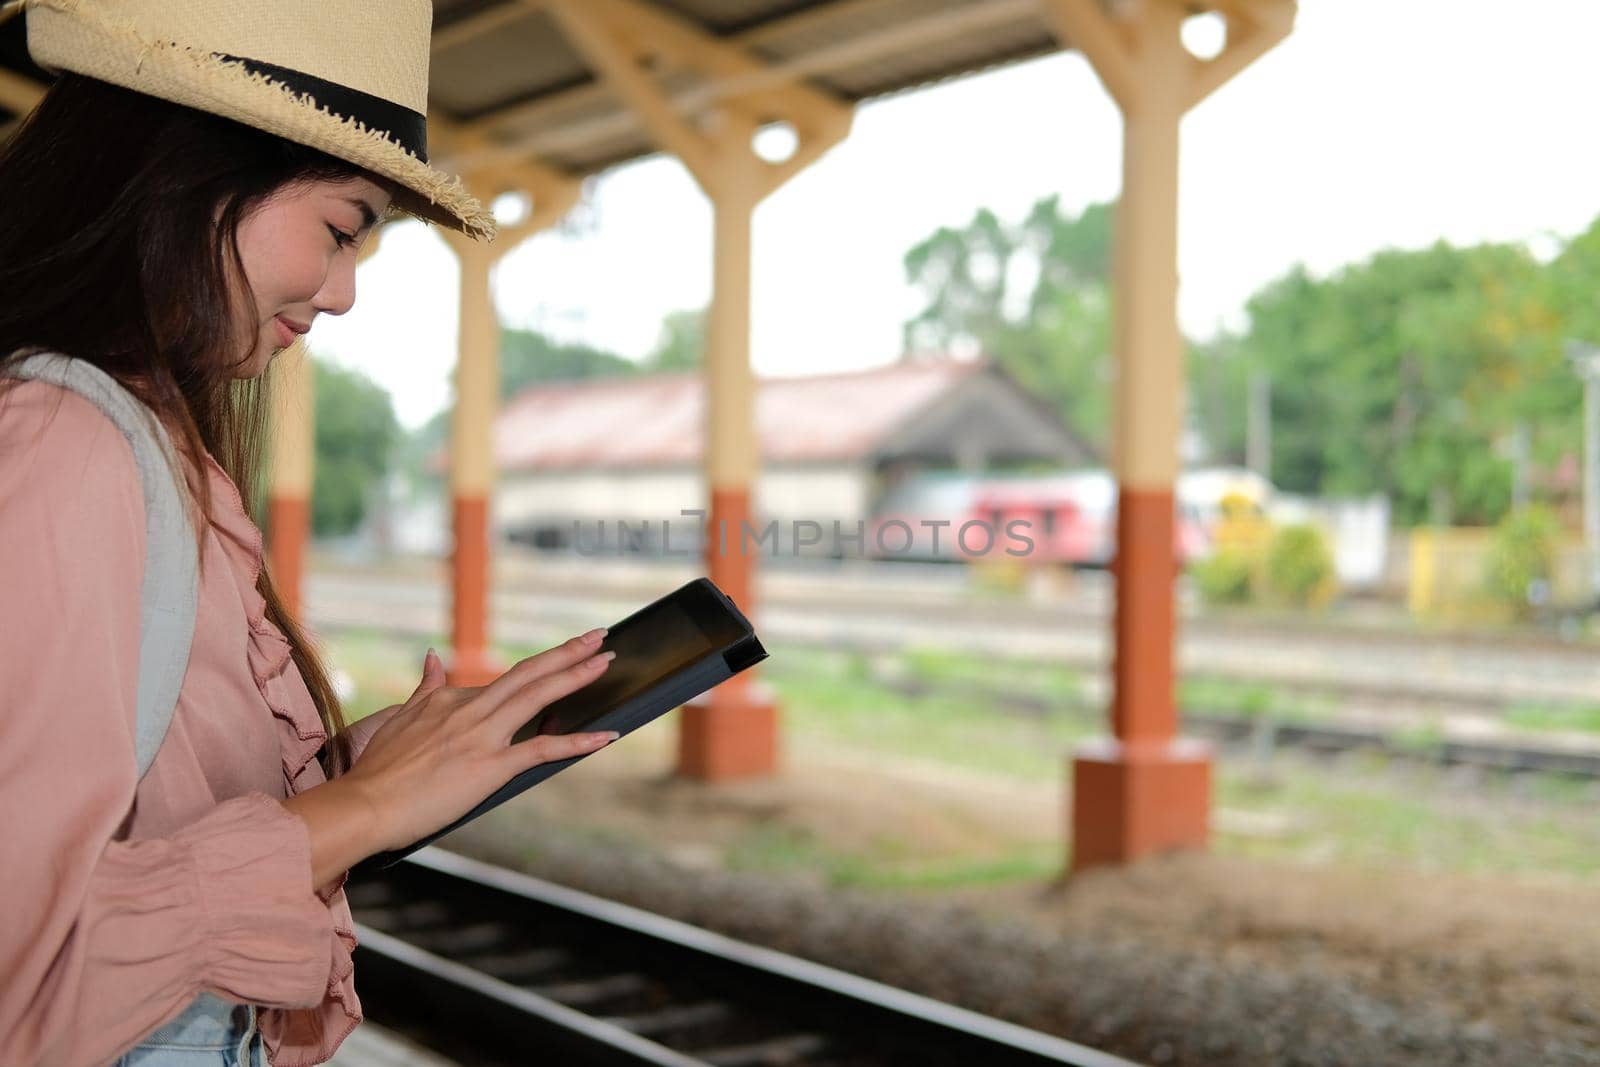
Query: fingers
x=521, y=707
x=548, y=748
x=432, y=675
x=563, y=656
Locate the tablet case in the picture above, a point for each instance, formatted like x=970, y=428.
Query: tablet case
x=675, y=690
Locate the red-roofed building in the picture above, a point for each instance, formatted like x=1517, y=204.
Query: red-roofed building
x=572, y=454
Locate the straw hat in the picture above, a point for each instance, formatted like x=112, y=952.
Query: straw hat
x=347, y=77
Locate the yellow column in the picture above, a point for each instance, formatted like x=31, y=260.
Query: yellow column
x=1145, y=789
x=477, y=402
x=733, y=731
x=477, y=382
x=731, y=444
x=291, y=460
x=1148, y=378
x=292, y=463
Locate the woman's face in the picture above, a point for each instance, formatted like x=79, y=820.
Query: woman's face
x=299, y=250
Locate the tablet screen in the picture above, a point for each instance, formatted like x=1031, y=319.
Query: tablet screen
x=649, y=646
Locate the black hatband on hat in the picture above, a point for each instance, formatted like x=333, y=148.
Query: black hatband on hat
x=400, y=124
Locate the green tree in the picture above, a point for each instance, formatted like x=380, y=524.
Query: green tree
x=1219, y=390
x=1522, y=557
x=528, y=357
x=1033, y=296
x=1402, y=374
x=1573, y=282
x=356, y=432
x=681, y=344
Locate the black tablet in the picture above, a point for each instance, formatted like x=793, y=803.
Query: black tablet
x=668, y=653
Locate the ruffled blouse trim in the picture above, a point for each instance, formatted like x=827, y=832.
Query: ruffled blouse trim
x=294, y=1037
x=270, y=655
x=302, y=1038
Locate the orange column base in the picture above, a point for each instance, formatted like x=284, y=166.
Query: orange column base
x=472, y=669
x=288, y=528
x=470, y=662
x=1132, y=801
x=732, y=731
x=729, y=733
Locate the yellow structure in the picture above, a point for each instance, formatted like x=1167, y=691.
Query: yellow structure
x=1241, y=525
x=292, y=457
x=477, y=382
x=733, y=733
x=1144, y=789
x=291, y=462
x=1447, y=567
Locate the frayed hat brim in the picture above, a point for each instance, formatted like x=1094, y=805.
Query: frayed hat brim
x=64, y=38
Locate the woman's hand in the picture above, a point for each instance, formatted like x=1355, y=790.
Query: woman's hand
x=442, y=752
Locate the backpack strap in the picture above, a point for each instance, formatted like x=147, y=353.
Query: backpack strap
x=170, y=593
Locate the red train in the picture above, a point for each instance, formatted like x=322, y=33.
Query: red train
x=1068, y=517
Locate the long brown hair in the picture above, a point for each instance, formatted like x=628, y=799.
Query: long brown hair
x=119, y=215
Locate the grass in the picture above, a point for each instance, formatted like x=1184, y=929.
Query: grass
x=889, y=864
x=1426, y=740
x=1546, y=719
x=833, y=697
x=383, y=668
x=1416, y=818
x=1040, y=679
x=1366, y=809
x=1232, y=696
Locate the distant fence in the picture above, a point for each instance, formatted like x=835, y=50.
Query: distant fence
x=1446, y=580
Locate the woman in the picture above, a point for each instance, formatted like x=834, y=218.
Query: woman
x=190, y=195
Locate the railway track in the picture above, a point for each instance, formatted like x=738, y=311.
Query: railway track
x=1394, y=709
x=1464, y=673
x=1237, y=727
x=946, y=590
x=491, y=967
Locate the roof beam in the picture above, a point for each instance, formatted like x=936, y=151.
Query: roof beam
x=553, y=192
x=615, y=54
x=818, y=20
x=1254, y=27
x=18, y=93
x=629, y=41
x=934, y=29
x=1089, y=27
x=1102, y=31
x=477, y=25
x=863, y=48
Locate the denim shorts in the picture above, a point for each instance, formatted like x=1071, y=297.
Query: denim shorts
x=209, y=1033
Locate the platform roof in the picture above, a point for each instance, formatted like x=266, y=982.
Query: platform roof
x=505, y=74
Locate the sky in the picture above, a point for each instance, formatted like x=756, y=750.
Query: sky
x=1376, y=124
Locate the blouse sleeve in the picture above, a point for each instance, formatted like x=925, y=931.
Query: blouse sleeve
x=104, y=940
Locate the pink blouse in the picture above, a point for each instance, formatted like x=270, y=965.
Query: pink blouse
x=125, y=898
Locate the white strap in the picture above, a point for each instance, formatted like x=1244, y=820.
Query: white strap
x=170, y=594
